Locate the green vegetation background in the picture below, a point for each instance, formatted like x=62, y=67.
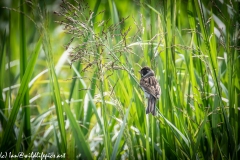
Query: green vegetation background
x=69, y=78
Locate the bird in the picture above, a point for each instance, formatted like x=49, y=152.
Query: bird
x=151, y=88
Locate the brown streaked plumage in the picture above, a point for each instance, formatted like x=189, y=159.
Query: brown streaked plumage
x=151, y=88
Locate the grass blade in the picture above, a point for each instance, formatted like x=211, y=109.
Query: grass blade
x=23, y=67
x=80, y=140
x=116, y=145
x=2, y=68
x=53, y=79
x=22, y=90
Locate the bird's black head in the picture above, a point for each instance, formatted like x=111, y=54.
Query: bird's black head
x=146, y=70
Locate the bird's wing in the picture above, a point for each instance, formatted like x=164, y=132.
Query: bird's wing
x=151, y=86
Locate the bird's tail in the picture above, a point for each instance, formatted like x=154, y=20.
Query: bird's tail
x=151, y=105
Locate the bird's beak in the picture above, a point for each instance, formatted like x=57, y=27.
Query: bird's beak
x=139, y=71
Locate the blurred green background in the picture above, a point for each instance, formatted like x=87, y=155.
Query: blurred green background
x=70, y=81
